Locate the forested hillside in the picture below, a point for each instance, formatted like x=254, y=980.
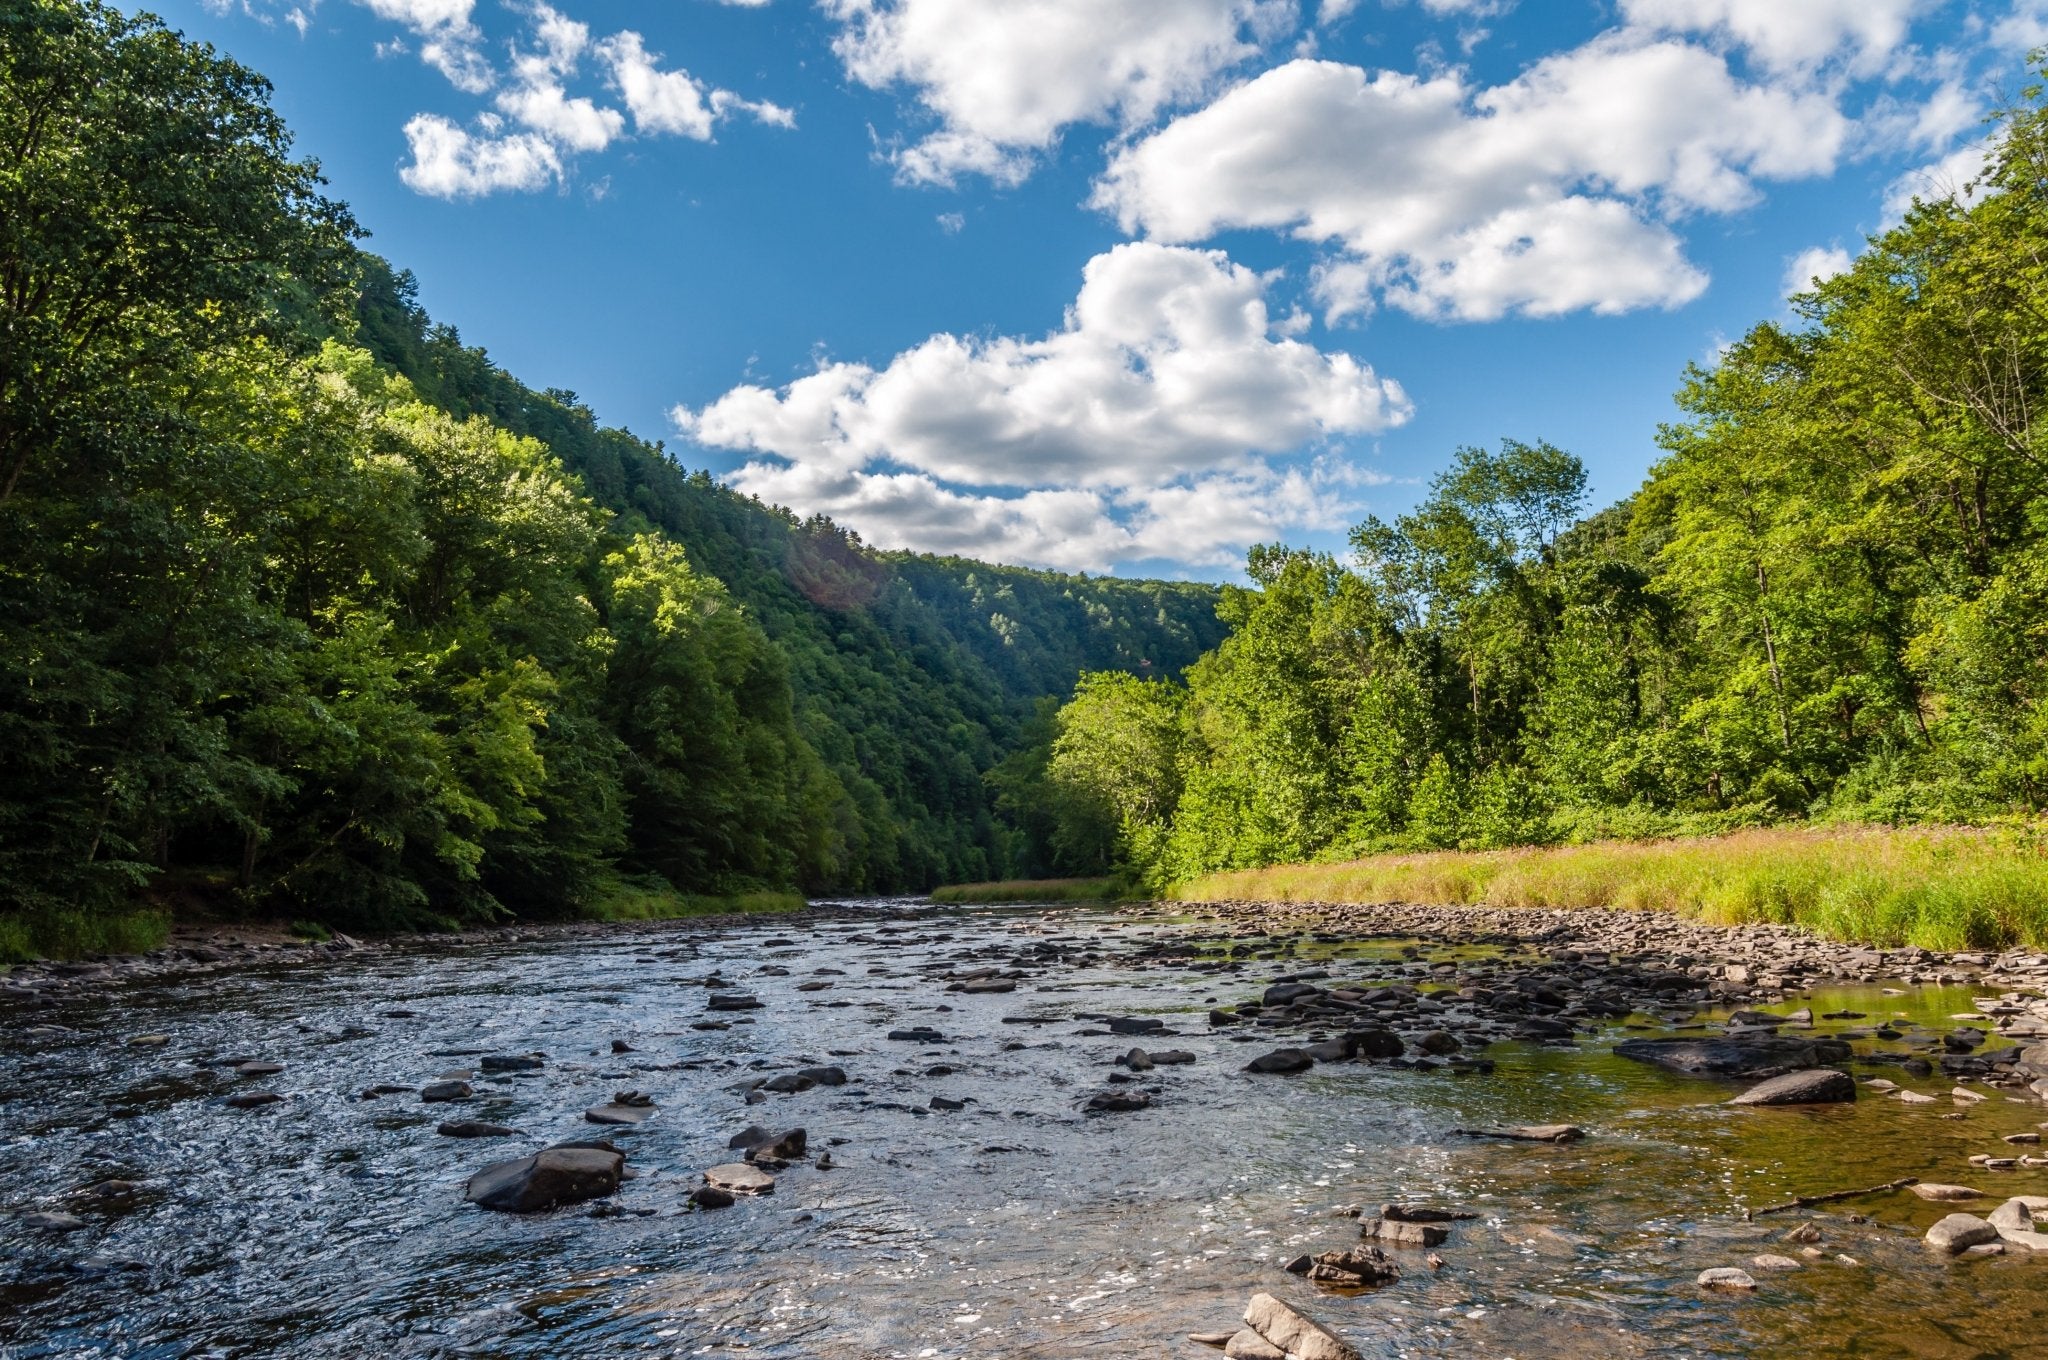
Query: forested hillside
x=307, y=607
x=1829, y=600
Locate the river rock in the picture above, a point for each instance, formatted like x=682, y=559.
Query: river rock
x=513, y=1062
x=824, y=1076
x=781, y=1147
x=918, y=1034
x=1438, y=1043
x=1529, y=1133
x=1355, y=1268
x=1249, y=1345
x=1423, y=1213
x=1814, y=1086
x=733, y=1001
x=1772, y=1262
x=1136, y=1024
x=1959, y=1232
x=788, y=1084
x=711, y=1197
x=1404, y=1234
x=1138, y=1060
x=52, y=1222
x=474, y=1128
x=1727, y=1278
x=1377, y=1043
x=625, y=1107
x=1735, y=1056
x=258, y=1068
x=440, y=1092
x=251, y=1100
x=1939, y=1192
x=1117, y=1102
x=557, y=1175
x=1293, y=1333
x=739, y=1178
x=1281, y=1060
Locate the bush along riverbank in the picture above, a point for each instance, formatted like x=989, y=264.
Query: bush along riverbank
x=1936, y=888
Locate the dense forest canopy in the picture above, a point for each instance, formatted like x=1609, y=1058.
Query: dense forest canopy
x=305, y=606
x=1828, y=600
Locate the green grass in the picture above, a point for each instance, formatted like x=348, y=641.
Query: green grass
x=1028, y=890
x=72, y=935
x=1940, y=888
x=651, y=899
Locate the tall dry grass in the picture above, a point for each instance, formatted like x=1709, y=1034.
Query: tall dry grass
x=1940, y=888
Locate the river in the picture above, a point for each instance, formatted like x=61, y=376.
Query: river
x=1017, y=1225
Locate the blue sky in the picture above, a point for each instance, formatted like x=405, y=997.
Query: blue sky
x=1122, y=285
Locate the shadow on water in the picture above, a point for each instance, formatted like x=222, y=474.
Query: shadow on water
x=332, y=1225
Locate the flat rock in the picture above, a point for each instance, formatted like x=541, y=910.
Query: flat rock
x=516, y=1062
x=738, y=1178
x=1813, y=1086
x=1727, y=1278
x=557, y=1175
x=251, y=1100
x=1293, y=1332
x=1959, y=1232
x=1940, y=1193
x=440, y=1092
x=1404, y=1234
x=1117, y=1102
x=1528, y=1133
x=1733, y=1055
x=473, y=1128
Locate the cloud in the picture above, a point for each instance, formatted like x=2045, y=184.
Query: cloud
x=674, y=102
x=1003, y=80
x=1147, y=425
x=448, y=161
x=1813, y=266
x=450, y=41
x=1552, y=193
x=1787, y=35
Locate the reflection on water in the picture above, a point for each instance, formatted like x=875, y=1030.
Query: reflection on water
x=331, y=1225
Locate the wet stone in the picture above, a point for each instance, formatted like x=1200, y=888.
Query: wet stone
x=1281, y=1061
x=1815, y=1086
x=473, y=1128
x=551, y=1177
x=740, y=1178
x=441, y=1092
x=1728, y=1279
x=498, y=1062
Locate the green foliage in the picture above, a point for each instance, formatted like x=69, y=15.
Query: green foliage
x=1028, y=890
x=380, y=636
x=1829, y=600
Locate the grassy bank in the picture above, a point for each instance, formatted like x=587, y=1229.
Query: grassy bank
x=1941, y=888
x=631, y=899
x=73, y=935
x=1028, y=890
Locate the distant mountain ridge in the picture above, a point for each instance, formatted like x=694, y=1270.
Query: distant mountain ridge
x=913, y=674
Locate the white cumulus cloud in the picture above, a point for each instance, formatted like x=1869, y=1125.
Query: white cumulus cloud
x=450, y=161
x=1551, y=193
x=1791, y=34
x=1147, y=425
x=1004, y=79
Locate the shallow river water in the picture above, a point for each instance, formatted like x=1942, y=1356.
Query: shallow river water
x=329, y=1225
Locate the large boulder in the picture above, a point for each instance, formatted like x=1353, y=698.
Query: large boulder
x=552, y=1176
x=1735, y=1056
x=1814, y=1086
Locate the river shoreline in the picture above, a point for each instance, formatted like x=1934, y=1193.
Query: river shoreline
x=1774, y=956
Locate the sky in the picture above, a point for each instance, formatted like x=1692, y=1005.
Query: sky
x=1124, y=286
